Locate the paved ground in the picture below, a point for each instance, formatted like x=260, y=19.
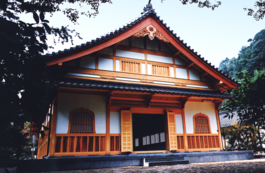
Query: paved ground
x=246, y=166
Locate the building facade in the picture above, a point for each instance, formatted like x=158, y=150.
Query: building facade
x=139, y=89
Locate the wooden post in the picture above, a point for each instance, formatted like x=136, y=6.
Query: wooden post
x=108, y=129
x=218, y=124
x=185, y=139
x=53, y=127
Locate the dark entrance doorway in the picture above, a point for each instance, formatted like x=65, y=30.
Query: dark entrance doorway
x=148, y=132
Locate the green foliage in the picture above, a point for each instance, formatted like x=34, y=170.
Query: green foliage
x=26, y=88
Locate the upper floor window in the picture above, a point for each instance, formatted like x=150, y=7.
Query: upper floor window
x=132, y=67
x=160, y=70
x=201, y=124
x=82, y=121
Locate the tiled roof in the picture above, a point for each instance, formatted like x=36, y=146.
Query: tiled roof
x=137, y=87
x=112, y=34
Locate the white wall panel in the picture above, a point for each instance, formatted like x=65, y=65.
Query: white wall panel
x=180, y=61
x=181, y=73
x=105, y=64
x=152, y=44
x=107, y=51
x=149, y=69
x=157, y=58
x=138, y=42
x=143, y=68
x=69, y=102
x=179, y=125
x=194, y=75
x=197, y=86
x=118, y=65
x=129, y=54
x=193, y=108
x=115, y=122
x=171, y=69
x=88, y=62
x=165, y=83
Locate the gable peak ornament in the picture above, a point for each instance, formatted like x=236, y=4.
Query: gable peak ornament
x=152, y=32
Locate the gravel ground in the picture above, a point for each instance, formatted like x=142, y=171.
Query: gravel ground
x=246, y=166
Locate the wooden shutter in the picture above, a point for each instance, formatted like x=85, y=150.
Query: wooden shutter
x=172, y=136
x=126, y=131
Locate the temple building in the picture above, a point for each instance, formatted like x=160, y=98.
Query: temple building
x=139, y=89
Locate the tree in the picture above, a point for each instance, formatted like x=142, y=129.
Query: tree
x=249, y=103
x=26, y=86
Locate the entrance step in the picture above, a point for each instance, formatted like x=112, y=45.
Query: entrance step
x=169, y=163
x=168, y=160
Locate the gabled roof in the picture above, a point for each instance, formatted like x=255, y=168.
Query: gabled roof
x=130, y=29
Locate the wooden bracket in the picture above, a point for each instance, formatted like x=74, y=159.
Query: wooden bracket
x=177, y=53
x=183, y=102
x=204, y=74
x=191, y=64
x=217, y=105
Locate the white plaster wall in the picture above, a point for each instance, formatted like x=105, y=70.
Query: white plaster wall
x=181, y=73
x=157, y=58
x=69, y=102
x=105, y=64
x=149, y=69
x=129, y=54
x=171, y=69
x=118, y=65
x=143, y=68
x=152, y=44
x=194, y=75
x=179, y=61
x=107, y=51
x=138, y=42
x=88, y=62
x=179, y=126
x=193, y=108
x=115, y=122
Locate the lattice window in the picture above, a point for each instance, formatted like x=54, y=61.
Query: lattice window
x=202, y=125
x=132, y=67
x=82, y=121
x=160, y=70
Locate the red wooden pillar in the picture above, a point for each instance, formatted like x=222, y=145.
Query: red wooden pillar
x=108, y=130
x=218, y=124
x=53, y=127
x=183, y=102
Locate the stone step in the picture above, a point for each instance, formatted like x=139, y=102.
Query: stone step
x=166, y=158
x=168, y=163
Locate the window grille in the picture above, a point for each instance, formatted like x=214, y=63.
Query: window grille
x=144, y=140
x=137, y=142
x=147, y=140
x=201, y=125
x=160, y=70
x=81, y=121
x=133, y=67
x=152, y=139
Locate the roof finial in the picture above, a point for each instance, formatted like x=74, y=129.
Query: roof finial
x=148, y=7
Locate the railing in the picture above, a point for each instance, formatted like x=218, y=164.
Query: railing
x=203, y=141
x=85, y=144
x=42, y=145
x=79, y=143
x=180, y=140
x=115, y=142
x=42, y=148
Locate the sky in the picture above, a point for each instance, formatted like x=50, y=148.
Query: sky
x=213, y=34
